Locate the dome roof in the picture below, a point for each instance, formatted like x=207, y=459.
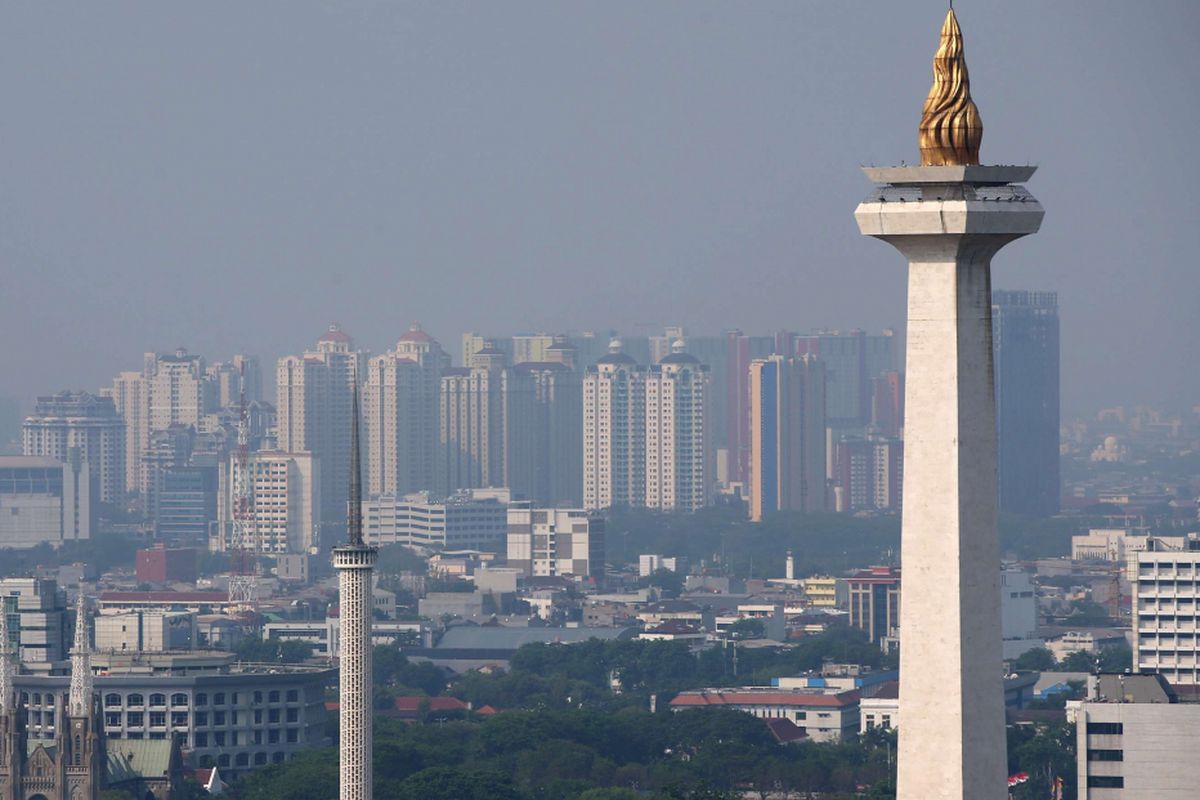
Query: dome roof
x=416, y=334
x=335, y=334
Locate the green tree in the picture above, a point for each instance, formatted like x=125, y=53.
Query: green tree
x=1039, y=659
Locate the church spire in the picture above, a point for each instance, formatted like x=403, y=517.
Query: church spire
x=6, y=662
x=80, y=700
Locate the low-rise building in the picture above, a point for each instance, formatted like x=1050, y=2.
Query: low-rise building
x=146, y=631
x=1135, y=740
x=233, y=716
x=824, y=716
x=38, y=619
x=824, y=591
x=474, y=519
x=546, y=542
x=45, y=501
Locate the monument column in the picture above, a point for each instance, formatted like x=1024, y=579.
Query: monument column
x=948, y=217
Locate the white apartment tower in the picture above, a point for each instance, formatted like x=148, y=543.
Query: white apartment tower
x=677, y=429
x=949, y=217
x=80, y=420
x=313, y=406
x=400, y=406
x=614, y=431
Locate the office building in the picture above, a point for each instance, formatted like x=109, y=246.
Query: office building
x=787, y=435
x=89, y=423
x=146, y=632
x=38, y=620
x=952, y=743
x=470, y=519
x=45, y=501
x=874, y=598
x=887, y=405
x=313, y=412
x=733, y=434
x=400, y=411
x=852, y=359
x=185, y=507
x=1136, y=738
x=544, y=542
x=1025, y=341
x=1166, y=612
x=678, y=463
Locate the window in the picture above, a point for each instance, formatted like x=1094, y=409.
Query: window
x=179, y=699
x=242, y=760
x=112, y=719
x=293, y=735
x=135, y=700
x=293, y=696
x=158, y=719
x=273, y=696
x=112, y=700
x=293, y=715
x=218, y=718
x=1105, y=782
x=202, y=741
x=219, y=738
x=202, y=699
x=223, y=761
x=135, y=719
x=178, y=719
x=260, y=759
x=258, y=699
x=219, y=699
x=277, y=758
x=273, y=736
x=273, y=715
x=157, y=700
x=1106, y=755
x=258, y=716
x=234, y=698
x=201, y=718
x=1105, y=728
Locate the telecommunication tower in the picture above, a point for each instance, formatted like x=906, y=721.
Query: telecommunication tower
x=243, y=545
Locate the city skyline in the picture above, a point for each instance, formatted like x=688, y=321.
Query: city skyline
x=663, y=144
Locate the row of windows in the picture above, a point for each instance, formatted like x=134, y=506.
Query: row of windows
x=1105, y=728
x=179, y=699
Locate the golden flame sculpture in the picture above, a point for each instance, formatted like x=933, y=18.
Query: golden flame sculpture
x=951, y=129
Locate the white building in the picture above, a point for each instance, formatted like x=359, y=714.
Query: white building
x=285, y=503
x=555, y=541
x=824, y=716
x=146, y=632
x=1134, y=741
x=614, y=432
x=44, y=500
x=400, y=411
x=650, y=563
x=678, y=472
x=1166, y=613
x=313, y=405
x=475, y=519
x=89, y=423
x=1018, y=614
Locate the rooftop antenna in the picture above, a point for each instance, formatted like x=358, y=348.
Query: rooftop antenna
x=244, y=546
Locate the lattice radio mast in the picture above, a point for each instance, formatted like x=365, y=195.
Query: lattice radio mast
x=244, y=548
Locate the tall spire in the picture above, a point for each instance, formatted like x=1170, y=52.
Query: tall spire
x=6, y=664
x=354, y=524
x=79, y=703
x=951, y=129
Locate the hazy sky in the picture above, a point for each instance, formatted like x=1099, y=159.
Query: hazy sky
x=232, y=176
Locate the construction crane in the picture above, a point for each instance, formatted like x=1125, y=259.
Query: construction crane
x=244, y=550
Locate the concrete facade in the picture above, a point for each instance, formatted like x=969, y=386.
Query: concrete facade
x=45, y=501
x=948, y=222
x=1166, y=613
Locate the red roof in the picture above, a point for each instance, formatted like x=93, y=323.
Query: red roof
x=487, y=711
x=412, y=704
x=416, y=334
x=164, y=597
x=734, y=697
x=335, y=334
x=785, y=731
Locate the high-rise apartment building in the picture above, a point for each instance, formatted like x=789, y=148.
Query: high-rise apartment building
x=89, y=423
x=1166, y=611
x=400, y=410
x=734, y=434
x=285, y=503
x=313, y=408
x=614, y=431
x=231, y=378
x=128, y=396
x=787, y=435
x=887, y=404
x=851, y=360
x=868, y=473
x=678, y=462
x=1026, y=345
x=473, y=422
x=544, y=422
